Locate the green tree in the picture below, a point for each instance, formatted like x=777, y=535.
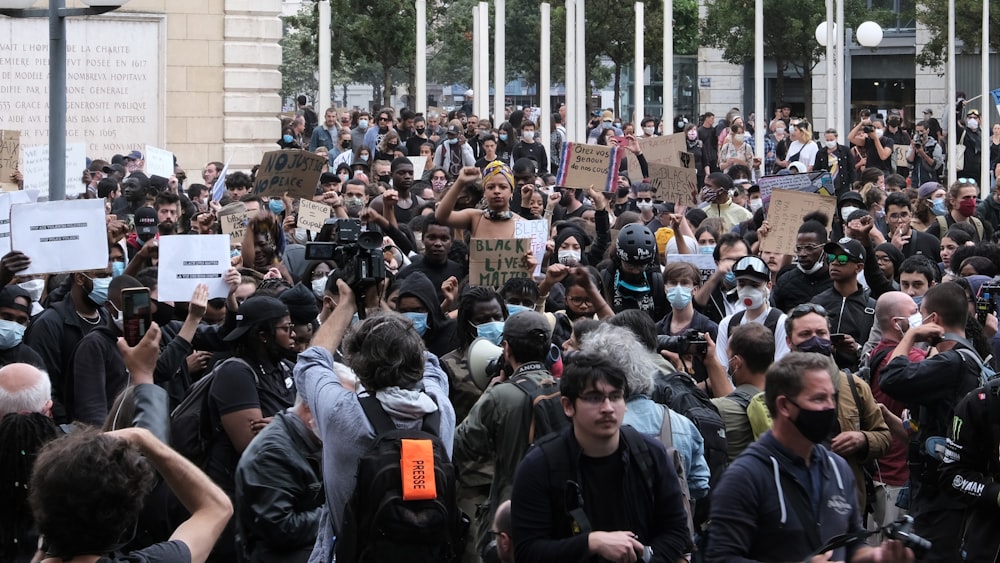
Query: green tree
x=968, y=28
x=298, y=54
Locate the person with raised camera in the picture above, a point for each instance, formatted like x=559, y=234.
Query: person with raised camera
x=925, y=156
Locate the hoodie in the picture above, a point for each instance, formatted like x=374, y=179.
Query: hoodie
x=763, y=508
x=440, y=335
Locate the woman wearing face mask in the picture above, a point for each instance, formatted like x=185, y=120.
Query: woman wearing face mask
x=735, y=150
x=695, y=147
x=316, y=274
x=837, y=160
x=970, y=139
x=682, y=279
x=506, y=139
x=957, y=237
x=361, y=154
x=387, y=149
x=961, y=203
x=930, y=204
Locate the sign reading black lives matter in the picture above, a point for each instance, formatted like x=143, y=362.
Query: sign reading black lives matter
x=589, y=165
x=187, y=261
x=295, y=172
x=494, y=261
x=61, y=236
x=673, y=184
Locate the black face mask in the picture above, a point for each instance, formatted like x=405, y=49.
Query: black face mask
x=346, y=144
x=420, y=130
x=164, y=313
x=815, y=426
x=384, y=179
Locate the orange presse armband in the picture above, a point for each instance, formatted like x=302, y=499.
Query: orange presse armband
x=416, y=464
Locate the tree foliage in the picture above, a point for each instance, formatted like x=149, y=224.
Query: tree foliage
x=968, y=28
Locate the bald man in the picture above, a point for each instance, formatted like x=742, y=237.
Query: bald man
x=501, y=533
x=24, y=389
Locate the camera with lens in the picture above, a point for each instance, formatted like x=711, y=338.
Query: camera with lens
x=689, y=342
x=919, y=139
x=358, y=253
x=986, y=301
x=902, y=530
x=867, y=128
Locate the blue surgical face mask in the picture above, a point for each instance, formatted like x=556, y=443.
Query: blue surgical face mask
x=276, y=206
x=503, y=136
x=939, y=208
x=707, y=249
x=492, y=331
x=730, y=278
x=452, y=141
x=288, y=139
x=679, y=296
x=515, y=309
x=234, y=253
x=419, y=322
x=363, y=123
x=11, y=334
x=117, y=268
x=918, y=299
x=99, y=295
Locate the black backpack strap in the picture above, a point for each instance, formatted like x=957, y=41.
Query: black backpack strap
x=376, y=415
x=772, y=318
x=741, y=398
x=567, y=493
x=857, y=398
x=640, y=454
x=737, y=319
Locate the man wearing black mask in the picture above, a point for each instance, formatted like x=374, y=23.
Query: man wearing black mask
x=418, y=137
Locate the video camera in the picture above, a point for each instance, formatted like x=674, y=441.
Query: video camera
x=689, y=342
x=986, y=300
x=358, y=253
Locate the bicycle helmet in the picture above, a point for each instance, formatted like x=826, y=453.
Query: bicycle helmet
x=636, y=244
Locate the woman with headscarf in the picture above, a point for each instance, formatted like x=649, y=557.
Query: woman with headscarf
x=889, y=258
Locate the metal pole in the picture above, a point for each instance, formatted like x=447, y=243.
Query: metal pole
x=668, y=66
x=583, y=86
x=758, y=78
x=984, y=123
x=841, y=115
x=484, y=62
x=476, y=67
x=545, y=82
x=640, y=69
x=421, y=62
x=831, y=95
x=499, y=60
x=324, y=57
x=57, y=101
x=572, y=112
x=952, y=126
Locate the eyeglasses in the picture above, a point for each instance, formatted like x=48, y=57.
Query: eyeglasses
x=883, y=259
x=285, y=328
x=966, y=181
x=898, y=216
x=580, y=301
x=383, y=119
x=807, y=247
x=838, y=258
x=595, y=398
x=806, y=308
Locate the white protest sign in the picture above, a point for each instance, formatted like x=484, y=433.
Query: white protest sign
x=6, y=200
x=35, y=168
x=159, y=162
x=186, y=261
x=419, y=162
x=61, y=236
x=704, y=262
x=538, y=232
x=313, y=214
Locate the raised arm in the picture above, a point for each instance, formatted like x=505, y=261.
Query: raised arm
x=446, y=214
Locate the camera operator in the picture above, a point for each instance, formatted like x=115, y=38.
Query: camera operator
x=900, y=138
x=925, y=156
x=869, y=135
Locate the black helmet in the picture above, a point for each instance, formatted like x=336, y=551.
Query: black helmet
x=636, y=244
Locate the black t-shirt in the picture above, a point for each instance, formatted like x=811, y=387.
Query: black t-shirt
x=174, y=551
x=887, y=165
x=602, y=491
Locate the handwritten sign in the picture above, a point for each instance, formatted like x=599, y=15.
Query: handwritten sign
x=61, y=236
x=538, y=232
x=494, y=261
x=35, y=168
x=234, y=224
x=187, y=261
x=899, y=155
x=313, y=214
x=673, y=183
x=293, y=171
x=159, y=162
x=704, y=262
x=585, y=165
x=785, y=214
x=10, y=157
x=814, y=182
x=665, y=149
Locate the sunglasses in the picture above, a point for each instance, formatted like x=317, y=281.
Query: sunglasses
x=806, y=308
x=838, y=258
x=966, y=181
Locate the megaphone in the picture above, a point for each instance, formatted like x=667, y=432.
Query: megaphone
x=485, y=360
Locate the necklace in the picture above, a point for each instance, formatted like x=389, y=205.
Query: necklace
x=88, y=321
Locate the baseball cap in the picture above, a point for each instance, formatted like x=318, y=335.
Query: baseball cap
x=752, y=267
x=928, y=111
x=850, y=196
x=453, y=130
x=9, y=295
x=846, y=247
x=134, y=155
x=114, y=168
x=254, y=311
x=328, y=178
x=145, y=222
x=528, y=324
x=98, y=165
x=927, y=189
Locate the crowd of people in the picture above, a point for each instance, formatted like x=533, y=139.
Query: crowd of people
x=776, y=407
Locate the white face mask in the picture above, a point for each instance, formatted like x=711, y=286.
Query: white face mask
x=756, y=204
x=831, y=145
x=972, y=123
x=569, y=257
x=752, y=297
x=644, y=205
x=846, y=212
x=648, y=131
x=879, y=133
x=319, y=286
x=528, y=136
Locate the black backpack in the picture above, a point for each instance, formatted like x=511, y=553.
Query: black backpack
x=379, y=525
x=191, y=432
x=545, y=413
x=770, y=320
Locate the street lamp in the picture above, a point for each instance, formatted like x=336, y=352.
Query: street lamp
x=57, y=12
x=869, y=34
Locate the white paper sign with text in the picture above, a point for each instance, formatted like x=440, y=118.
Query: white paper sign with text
x=538, y=232
x=61, y=236
x=35, y=168
x=159, y=162
x=186, y=261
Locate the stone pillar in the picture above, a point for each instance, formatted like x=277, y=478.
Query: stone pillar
x=251, y=81
x=931, y=85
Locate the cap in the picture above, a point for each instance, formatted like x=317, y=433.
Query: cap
x=752, y=267
x=301, y=303
x=850, y=196
x=329, y=178
x=145, y=222
x=453, y=130
x=253, y=312
x=928, y=111
x=114, y=168
x=974, y=112
x=98, y=165
x=469, y=93
x=607, y=115
x=663, y=208
x=134, y=155
x=852, y=248
x=927, y=189
x=9, y=295
x=529, y=325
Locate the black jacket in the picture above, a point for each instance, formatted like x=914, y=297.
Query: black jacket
x=440, y=335
x=795, y=287
x=845, y=167
x=854, y=315
x=279, y=492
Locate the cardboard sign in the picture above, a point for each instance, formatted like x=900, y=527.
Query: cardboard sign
x=673, y=184
x=814, y=182
x=159, y=162
x=293, y=171
x=234, y=225
x=35, y=168
x=899, y=155
x=494, y=261
x=785, y=213
x=704, y=262
x=187, y=261
x=10, y=158
x=313, y=214
x=61, y=236
x=538, y=232
x=583, y=166
x=665, y=149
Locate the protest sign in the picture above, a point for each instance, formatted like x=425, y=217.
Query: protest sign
x=187, y=261
x=35, y=168
x=819, y=182
x=583, y=166
x=61, y=236
x=313, y=214
x=10, y=158
x=293, y=171
x=159, y=162
x=784, y=216
x=673, y=184
x=494, y=261
x=538, y=232
x=899, y=155
x=419, y=162
x=665, y=149
x=704, y=262
x=6, y=200
x=234, y=225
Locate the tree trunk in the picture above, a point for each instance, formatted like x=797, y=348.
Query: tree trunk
x=386, y=86
x=618, y=91
x=375, y=95
x=779, y=83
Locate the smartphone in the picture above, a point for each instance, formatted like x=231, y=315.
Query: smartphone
x=837, y=338
x=137, y=314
